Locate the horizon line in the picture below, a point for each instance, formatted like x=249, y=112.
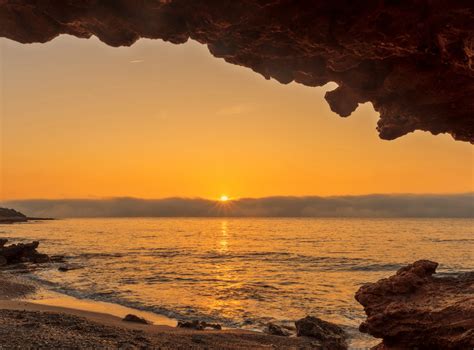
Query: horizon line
x=232, y=198
x=369, y=205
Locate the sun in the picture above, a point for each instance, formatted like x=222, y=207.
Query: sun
x=224, y=198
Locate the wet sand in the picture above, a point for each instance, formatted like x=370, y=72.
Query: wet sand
x=26, y=324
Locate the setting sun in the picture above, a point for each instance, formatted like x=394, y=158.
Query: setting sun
x=228, y=165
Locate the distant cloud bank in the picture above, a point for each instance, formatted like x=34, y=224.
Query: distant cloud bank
x=406, y=205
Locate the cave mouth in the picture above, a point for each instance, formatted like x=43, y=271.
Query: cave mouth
x=413, y=61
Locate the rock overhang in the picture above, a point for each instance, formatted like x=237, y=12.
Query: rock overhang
x=413, y=60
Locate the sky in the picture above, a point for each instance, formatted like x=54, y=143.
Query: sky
x=80, y=119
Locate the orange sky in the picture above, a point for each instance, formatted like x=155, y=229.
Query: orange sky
x=81, y=119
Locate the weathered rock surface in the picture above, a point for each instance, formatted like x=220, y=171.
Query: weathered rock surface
x=329, y=335
x=20, y=253
x=414, y=60
x=414, y=309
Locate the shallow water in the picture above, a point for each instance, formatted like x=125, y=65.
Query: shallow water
x=243, y=272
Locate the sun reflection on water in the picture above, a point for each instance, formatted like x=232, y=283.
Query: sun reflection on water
x=224, y=237
x=244, y=272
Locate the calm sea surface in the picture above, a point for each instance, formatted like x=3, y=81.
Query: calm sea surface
x=242, y=272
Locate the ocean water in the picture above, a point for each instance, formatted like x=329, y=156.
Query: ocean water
x=242, y=272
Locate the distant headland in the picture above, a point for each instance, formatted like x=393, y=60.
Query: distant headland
x=10, y=216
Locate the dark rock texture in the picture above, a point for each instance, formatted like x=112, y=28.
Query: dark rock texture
x=414, y=309
x=413, y=59
x=20, y=253
x=329, y=335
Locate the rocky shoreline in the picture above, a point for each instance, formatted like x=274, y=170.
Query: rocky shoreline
x=411, y=309
x=35, y=326
x=28, y=328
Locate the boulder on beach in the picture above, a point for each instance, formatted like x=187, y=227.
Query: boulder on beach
x=414, y=309
x=135, y=319
x=329, y=335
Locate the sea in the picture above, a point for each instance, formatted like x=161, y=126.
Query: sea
x=241, y=272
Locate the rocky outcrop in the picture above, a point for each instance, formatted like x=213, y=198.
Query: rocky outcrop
x=11, y=216
x=20, y=253
x=328, y=335
x=414, y=60
x=414, y=309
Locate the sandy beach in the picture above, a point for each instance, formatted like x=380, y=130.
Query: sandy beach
x=30, y=325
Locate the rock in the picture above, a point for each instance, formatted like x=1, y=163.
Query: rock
x=41, y=258
x=275, y=329
x=21, y=253
x=198, y=325
x=414, y=60
x=190, y=324
x=328, y=334
x=135, y=319
x=414, y=309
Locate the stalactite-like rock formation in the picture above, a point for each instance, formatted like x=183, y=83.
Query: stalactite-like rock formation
x=413, y=59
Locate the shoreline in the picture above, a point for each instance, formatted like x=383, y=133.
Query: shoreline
x=32, y=311
x=57, y=300
x=49, y=322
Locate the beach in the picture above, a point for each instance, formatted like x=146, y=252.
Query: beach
x=30, y=325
